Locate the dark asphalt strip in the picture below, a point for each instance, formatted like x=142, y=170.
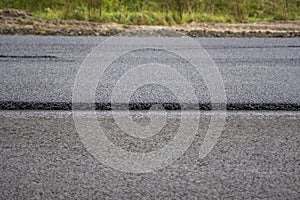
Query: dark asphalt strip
x=143, y=106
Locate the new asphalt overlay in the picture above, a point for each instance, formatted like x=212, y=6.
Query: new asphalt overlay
x=40, y=72
x=252, y=147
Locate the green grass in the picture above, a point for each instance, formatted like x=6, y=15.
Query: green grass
x=131, y=18
x=149, y=17
x=153, y=12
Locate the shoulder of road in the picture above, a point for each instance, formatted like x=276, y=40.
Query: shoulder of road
x=16, y=22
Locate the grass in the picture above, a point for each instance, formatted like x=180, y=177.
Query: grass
x=145, y=17
x=131, y=18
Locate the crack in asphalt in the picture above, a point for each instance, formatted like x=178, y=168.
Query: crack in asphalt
x=24, y=56
x=38, y=57
x=253, y=47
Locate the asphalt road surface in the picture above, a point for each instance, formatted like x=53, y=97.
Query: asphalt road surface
x=44, y=155
x=256, y=157
x=40, y=72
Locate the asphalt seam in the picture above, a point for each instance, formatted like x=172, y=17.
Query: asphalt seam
x=11, y=105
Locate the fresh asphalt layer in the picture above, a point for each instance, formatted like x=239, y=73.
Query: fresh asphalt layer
x=258, y=74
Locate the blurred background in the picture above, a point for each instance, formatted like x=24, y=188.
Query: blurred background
x=160, y=12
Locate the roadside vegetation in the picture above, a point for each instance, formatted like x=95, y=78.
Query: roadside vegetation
x=160, y=12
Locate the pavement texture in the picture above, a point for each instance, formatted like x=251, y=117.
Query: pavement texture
x=44, y=155
x=258, y=74
x=256, y=157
